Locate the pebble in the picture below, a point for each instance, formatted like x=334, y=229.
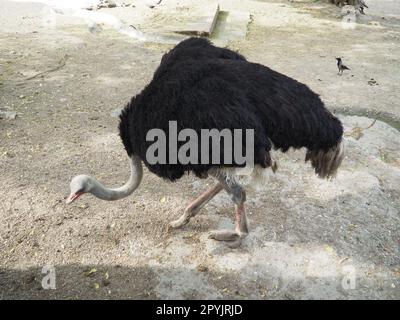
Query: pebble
x=8, y=115
x=115, y=113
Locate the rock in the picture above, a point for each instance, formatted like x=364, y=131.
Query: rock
x=102, y=4
x=202, y=268
x=111, y=3
x=374, y=23
x=115, y=113
x=373, y=82
x=8, y=114
x=106, y=4
x=105, y=282
x=8, y=154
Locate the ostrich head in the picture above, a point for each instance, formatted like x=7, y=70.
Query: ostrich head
x=85, y=184
x=79, y=185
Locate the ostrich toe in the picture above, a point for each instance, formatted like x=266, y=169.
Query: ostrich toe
x=224, y=235
x=179, y=223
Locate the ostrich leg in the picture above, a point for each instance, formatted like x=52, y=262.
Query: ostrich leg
x=233, y=237
x=193, y=208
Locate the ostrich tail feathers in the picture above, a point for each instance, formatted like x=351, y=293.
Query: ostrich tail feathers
x=326, y=163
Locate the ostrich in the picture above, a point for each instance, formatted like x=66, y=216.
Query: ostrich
x=201, y=86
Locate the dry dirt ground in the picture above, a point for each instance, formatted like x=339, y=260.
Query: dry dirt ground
x=309, y=238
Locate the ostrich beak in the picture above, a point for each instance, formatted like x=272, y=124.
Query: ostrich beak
x=73, y=196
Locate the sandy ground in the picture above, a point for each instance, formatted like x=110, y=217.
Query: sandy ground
x=309, y=238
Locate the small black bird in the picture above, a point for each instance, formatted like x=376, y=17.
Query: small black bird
x=341, y=66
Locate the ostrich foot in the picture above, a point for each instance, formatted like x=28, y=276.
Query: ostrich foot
x=193, y=208
x=232, y=238
x=179, y=223
x=224, y=235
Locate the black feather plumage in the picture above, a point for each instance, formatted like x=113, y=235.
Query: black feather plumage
x=204, y=87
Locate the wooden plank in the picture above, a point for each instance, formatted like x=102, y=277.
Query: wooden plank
x=232, y=25
x=201, y=22
x=214, y=22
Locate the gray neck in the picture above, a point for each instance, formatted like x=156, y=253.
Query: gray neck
x=102, y=192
